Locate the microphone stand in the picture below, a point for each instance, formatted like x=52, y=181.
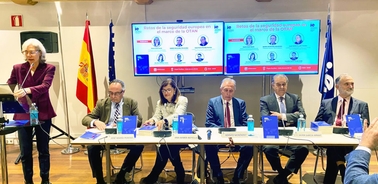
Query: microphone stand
x=69, y=149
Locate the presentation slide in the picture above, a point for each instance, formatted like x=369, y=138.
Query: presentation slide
x=178, y=48
x=270, y=47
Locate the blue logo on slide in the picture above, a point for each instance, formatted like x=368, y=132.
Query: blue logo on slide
x=216, y=27
x=137, y=29
x=228, y=27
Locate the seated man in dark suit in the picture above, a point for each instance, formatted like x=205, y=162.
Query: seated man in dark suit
x=203, y=41
x=273, y=39
x=293, y=56
x=333, y=112
x=357, y=170
x=227, y=111
x=287, y=107
x=179, y=41
x=199, y=57
x=105, y=115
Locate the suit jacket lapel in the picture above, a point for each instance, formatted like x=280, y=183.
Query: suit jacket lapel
x=219, y=108
x=352, y=106
x=273, y=103
x=289, y=103
x=334, y=106
x=108, y=108
x=235, y=109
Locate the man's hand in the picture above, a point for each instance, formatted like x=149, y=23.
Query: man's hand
x=273, y=113
x=370, y=136
x=160, y=124
x=99, y=125
x=148, y=122
x=231, y=144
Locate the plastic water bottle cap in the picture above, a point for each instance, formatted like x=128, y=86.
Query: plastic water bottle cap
x=250, y=116
x=301, y=115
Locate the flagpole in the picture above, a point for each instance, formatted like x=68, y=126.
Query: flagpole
x=69, y=149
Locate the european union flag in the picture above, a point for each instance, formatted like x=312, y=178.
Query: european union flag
x=111, y=59
x=326, y=84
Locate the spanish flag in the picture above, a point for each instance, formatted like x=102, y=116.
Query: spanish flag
x=86, y=88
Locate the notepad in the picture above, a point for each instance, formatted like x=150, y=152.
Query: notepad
x=90, y=135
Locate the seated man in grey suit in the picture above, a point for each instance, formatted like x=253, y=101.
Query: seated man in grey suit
x=333, y=112
x=105, y=115
x=357, y=171
x=227, y=111
x=287, y=107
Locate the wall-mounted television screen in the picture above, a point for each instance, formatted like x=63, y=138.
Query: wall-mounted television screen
x=194, y=48
x=270, y=47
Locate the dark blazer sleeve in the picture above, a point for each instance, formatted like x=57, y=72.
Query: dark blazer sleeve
x=98, y=112
x=357, y=171
x=325, y=112
x=43, y=88
x=211, y=116
x=264, y=110
x=243, y=113
x=364, y=108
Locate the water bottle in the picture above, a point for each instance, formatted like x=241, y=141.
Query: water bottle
x=251, y=125
x=175, y=124
x=119, y=124
x=33, y=111
x=301, y=123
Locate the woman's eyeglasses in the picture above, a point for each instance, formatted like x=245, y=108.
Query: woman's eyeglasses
x=31, y=52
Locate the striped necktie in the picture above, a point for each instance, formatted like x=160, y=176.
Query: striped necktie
x=116, y=113
x=282, y=105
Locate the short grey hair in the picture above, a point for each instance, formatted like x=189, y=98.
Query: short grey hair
x=280, y=75
x=38, y=45
x=337, y=80
x=228, y=80
x=119, y=82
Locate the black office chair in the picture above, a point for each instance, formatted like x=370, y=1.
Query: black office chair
x=114, y=168
x=286, y=153
x=192, y=170
x=231, y=152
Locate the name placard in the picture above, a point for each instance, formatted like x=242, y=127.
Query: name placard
x=241, y=134
x=121, y=136
x=185, y=136
x=308, y=134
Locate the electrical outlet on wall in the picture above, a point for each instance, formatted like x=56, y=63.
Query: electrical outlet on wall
x=9, y=141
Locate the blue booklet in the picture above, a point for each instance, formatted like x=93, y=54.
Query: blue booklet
x=354, y=124
x=270, y=126
x=90, y=135
x=185, y=124
x=128, y=125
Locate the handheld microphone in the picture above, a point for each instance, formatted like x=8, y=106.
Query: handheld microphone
x=22, y=84
x=195, y=132
x=208, y=134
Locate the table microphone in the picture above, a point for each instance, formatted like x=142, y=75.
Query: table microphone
x=208, y=134
x=22, y=84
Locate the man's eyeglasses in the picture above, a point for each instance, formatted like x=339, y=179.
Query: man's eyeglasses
x=279, y=85
x=115, y=93
x=166, y=90
x=31, y=52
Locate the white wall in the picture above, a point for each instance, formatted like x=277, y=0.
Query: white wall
x=354, y=38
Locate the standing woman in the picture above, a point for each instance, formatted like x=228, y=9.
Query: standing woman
x=37, y=84
x=171, y=104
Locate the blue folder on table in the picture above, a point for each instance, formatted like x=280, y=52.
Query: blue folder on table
x=185, y=124
x=270, y=126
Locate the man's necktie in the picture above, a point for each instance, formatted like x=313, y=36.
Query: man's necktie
x=340, y=115
x=282, y=105
x=116, y=113
x=227, y=116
